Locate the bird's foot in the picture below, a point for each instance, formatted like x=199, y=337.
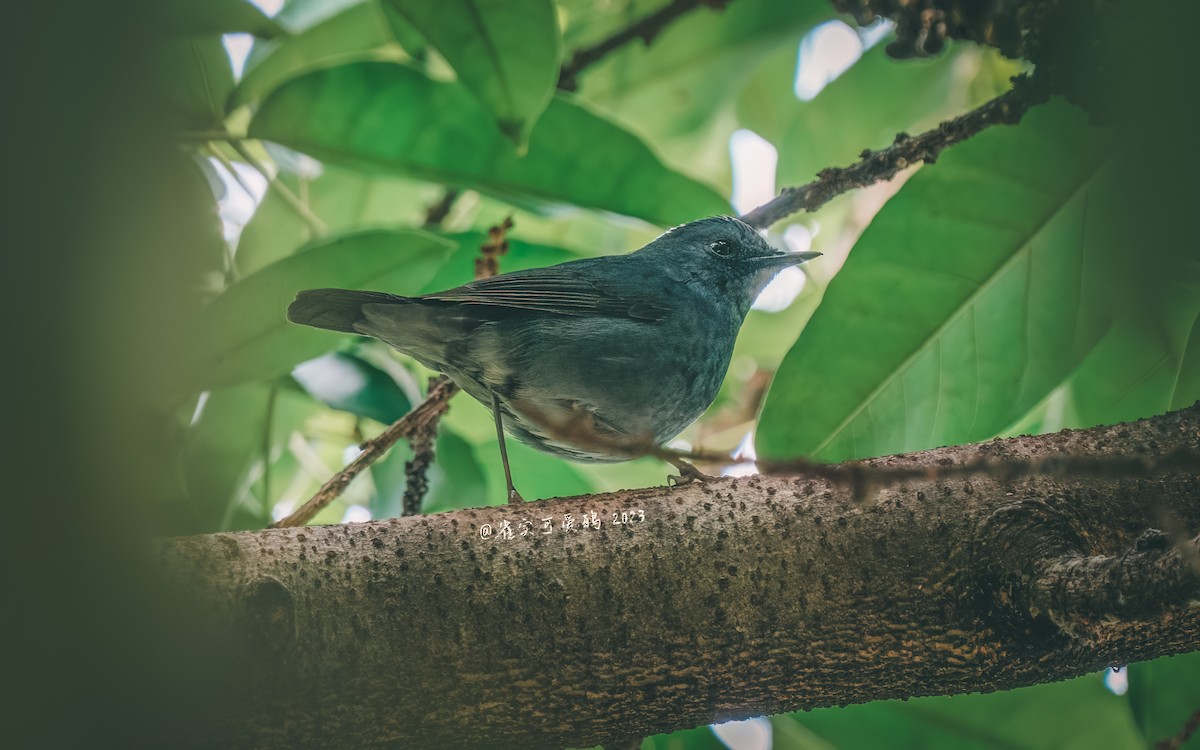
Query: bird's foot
x=514, y=497
x=687, y=473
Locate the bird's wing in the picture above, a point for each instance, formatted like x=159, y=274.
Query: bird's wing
x=565, y=289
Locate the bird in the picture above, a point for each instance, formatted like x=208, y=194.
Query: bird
x=598, y=359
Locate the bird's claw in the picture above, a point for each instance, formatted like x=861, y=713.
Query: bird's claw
x=687, y=474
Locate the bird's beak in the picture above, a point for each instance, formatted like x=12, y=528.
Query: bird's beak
x=783, y=260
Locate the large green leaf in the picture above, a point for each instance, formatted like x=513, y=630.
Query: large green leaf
x=343, y=199
x=1163, y=694
x=1072, y=715
x=505, y=53
x=973, y=294
x=243, y=335
x=239, y=430
x=390, y=117
x=365, y=30
x=1149, y=362
x=681, y=80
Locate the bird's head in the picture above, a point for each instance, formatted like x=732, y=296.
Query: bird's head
x=725, y=254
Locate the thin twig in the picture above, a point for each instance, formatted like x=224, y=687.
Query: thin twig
x=646, y=29
x=882, y=165
x=437, y=213
x=1185, y=734
x=313, y=221
x=429, y=409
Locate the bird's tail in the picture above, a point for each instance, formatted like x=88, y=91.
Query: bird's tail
x=336, y=309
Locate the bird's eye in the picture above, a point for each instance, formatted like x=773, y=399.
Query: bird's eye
x=722, y=248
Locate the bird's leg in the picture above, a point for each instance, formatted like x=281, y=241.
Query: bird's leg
x=513, y=495
x=687, y=472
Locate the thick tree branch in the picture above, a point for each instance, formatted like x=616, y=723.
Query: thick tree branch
x=1077, y=588
x=536, y=625
x=883, y=165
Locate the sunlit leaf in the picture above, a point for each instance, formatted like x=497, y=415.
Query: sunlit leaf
x=364, y=30
x=342, y=381
x=383, y=116
x=681, y=80
x=343, y=199
x=973, y=294
x=243, y=335
x=504, y=53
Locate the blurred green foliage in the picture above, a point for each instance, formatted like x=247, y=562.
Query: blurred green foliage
x=990, y=292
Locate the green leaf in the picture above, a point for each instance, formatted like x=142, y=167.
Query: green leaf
x=389, y=117
x=537, y=475
x=225, y=447
x=243, y=335
x=680, y=81
x=974, y=292
x=864, y=108
x=1163, y=694
x=1149, y=363
x=362, y=31
x=297, y=16
x=1074, y=715
x=700, y=738
x=459, y=267
x=194, y=77
x=344, y=199
x=192, y=17
x=342, y=381
x=506, y=54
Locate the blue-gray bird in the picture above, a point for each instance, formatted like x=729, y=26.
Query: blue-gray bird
x=600, y=359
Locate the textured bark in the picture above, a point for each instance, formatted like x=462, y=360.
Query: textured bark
x=733, y=598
